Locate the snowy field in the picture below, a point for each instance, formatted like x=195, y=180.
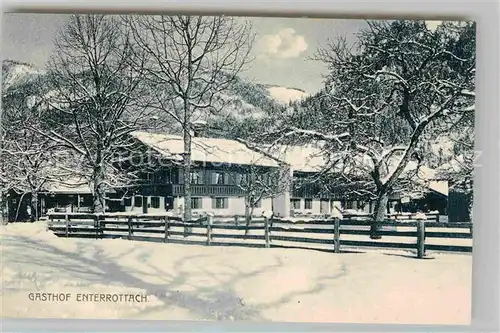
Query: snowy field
x=192, y=282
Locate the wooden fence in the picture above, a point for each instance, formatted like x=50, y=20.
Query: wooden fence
x=333, y=234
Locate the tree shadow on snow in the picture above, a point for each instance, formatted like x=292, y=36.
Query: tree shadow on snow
x=409, y=255
x=206, y=302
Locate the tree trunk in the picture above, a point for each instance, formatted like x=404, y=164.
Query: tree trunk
x=379, y=214
x=34, y=206
x=19, y=204
x=248, y=215
x=186, y=171
x=4, y=218
x=98, y=195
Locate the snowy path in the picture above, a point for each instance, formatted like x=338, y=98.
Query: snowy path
x=191, y=282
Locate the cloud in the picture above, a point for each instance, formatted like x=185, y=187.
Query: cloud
x=286, y=43
x=432, y=25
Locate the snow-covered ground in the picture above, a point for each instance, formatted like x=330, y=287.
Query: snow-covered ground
x=191, y=282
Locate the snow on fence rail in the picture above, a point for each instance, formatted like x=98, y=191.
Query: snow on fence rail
x=397, y=216
x=331, y=234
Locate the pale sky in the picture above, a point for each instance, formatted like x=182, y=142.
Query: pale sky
x=281, y=50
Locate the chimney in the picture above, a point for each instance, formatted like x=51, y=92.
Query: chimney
x=199, y=127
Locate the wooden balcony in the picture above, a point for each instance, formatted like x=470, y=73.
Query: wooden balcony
x=209, y=190
x=314, y=191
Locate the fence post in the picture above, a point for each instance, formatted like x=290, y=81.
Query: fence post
x=209, y=229
x=67, y=224
x=102, y=226
x=420, y=239
x=267, y=236
x=236, y=220
x=336, y=235
x=167, y=227
x=97, y=226
x=130, y=227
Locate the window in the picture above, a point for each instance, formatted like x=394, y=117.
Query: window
x=241, y=179
x=234, y=178
x=172, y=176
x=196, y=177
x=219, y=178
x=138, y=201
x=220, y=203
x=160, y=177
x=87, y=201
x=169, y=203
x=196, y=203
x=295, y=203
x=147, y=177
x=308, y=203
x=155, y=202
x=348, y=204
x=127, y=202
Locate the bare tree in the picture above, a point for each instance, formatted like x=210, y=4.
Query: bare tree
x=394, y=89
x=258, y=183
x=26, y=162
x=191, y=59
x=95, y=98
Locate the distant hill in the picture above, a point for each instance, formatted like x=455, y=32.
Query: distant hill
x=284, y=95
x=16, y=73
x=243, y=99
x=242, y=103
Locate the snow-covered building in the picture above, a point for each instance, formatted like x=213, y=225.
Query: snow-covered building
x=219, y=165
x=309, y=197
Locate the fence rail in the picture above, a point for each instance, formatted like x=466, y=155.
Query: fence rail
x=335, y=234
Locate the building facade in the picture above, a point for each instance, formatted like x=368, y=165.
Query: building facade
x=219, y=183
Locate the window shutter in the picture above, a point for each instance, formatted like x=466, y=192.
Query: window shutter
x=213, y=203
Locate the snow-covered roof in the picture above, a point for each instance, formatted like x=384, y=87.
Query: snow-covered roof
x=313, y=159
x=209, y=150
x=69, y=186
x=424, y=173
x=440, y=186
x=300, y=158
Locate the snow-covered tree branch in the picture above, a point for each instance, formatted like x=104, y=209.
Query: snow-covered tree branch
x=190, y=59
x=95, y=98
x=387, y=95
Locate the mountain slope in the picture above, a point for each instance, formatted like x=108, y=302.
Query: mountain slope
x=285, y=95
x=15, y=73
x=242, y=100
